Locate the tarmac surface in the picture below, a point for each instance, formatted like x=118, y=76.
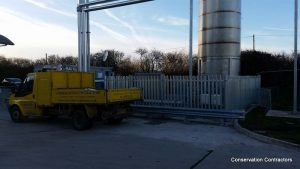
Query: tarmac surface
x=135, y=144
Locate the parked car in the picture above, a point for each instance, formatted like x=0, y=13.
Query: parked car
x=11, y=82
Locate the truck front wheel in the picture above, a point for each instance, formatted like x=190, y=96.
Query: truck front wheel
x=81, y=121
x=16, y=114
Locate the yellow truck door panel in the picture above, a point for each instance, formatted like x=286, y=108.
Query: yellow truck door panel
x=27, y=105
x=43, y=95
x=26, y=96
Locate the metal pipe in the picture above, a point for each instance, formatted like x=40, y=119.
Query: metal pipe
x=96, y=3
x=80, y=38
x=87, y=36
x=88, y=64
x=295, y=106
x=114, y=5
x=83, y=45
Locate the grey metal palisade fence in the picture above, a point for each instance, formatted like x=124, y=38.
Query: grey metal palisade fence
x=212, y=95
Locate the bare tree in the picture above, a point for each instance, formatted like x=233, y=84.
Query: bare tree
x=53, y=59
x=68, y=60
x=145, y=62
x=22, y=62
x=141, y=51
x=156, y=58
x=126, y=67
x=175, y=63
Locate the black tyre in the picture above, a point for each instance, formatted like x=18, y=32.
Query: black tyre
x=81, y=121
x=16, y=114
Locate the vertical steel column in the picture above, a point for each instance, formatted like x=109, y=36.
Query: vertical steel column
x=191, y=40
x=191, y=53
x=83, y=41
x=296, y=60
x=87, y=61
x=80, y=37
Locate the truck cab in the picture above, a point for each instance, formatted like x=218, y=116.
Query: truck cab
x=24, y=98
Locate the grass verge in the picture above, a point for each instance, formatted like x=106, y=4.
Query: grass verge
x=287, y=129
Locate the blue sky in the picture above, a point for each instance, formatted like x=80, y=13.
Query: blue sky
x=50, y=26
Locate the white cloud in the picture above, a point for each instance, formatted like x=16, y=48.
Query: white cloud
x=45, y=6
x=126, y=24
x=174, y=21
x=33, y=38
x=111, y=32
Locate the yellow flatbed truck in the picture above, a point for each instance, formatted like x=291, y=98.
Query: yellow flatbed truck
x=70, y=93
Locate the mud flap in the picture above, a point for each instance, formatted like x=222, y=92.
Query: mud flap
x=91, y=111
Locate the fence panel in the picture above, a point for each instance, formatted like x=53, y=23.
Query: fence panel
x=203, y=92
x=242, y=91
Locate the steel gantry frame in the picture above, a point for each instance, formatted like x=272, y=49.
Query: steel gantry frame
x=83, y=9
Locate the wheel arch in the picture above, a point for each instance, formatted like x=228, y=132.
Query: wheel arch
x=15, y=105
x=91, y=110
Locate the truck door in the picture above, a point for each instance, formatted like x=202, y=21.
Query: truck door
x=26, y=96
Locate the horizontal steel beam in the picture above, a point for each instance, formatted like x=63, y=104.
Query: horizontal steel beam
x=114, y=5
x=96, y=3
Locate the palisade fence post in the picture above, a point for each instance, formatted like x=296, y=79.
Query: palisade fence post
x=161, y=90
x=226, y=92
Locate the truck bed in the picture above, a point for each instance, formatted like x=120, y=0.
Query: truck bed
x=77, y=88
x=123, y=95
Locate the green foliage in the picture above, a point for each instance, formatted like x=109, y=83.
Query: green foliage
x=255, y=62
x=276, y=71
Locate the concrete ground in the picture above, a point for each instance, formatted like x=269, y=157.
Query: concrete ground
x=135, y=144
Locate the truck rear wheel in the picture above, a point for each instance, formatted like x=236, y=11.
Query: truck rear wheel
x=81, y=121
x=16, y=114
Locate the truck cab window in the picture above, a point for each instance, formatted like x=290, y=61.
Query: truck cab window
x=26, y=88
